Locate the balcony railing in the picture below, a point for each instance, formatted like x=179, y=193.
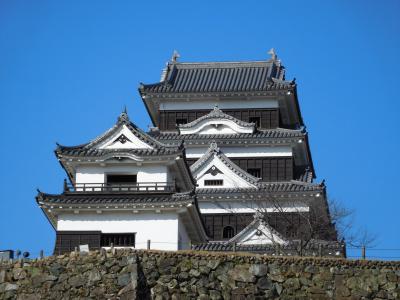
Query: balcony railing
x=141, y=187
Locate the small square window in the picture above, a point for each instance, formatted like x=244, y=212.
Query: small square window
x=256, y=172
x=181, y=121
x=255, y=120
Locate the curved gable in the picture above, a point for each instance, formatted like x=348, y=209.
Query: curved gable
x=216, y=122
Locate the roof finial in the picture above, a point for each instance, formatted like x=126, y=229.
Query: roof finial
x=273, y=54
x=213, y=146
x=175, y=56
x=123, y=117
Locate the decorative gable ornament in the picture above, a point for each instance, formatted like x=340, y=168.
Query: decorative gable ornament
x=122, y=139
x=216, y=122
x=213, y=171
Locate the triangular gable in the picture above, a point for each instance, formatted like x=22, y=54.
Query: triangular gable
x=123, y=135
x=216, y=166
x=123, y=138
x=216, y=122
x=258, y=232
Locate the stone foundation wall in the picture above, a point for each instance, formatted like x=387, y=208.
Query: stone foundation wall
x=196, y=275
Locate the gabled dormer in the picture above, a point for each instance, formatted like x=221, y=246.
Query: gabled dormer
x=126, y=156
x=258, y=232
x=215, y=170
x=216, y=122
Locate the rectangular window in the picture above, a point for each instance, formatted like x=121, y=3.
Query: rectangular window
x=121, y=179
x=255, y=120
x=181, y=121
x=213, y=182
x=256, y=172
x=118, y=239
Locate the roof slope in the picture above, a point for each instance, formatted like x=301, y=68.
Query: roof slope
x=269, y=134
x=112, y=199
x=91, y=148
x=220, y=77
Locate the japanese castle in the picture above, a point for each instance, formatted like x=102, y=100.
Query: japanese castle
x=226, y=166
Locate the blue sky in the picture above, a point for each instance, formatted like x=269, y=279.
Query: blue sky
x=67, y=68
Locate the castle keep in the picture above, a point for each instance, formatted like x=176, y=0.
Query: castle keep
x=226, y=165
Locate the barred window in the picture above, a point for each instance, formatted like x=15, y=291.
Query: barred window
x=213, y=182
x=228, y=232
x=256, y=172
x=118, y=239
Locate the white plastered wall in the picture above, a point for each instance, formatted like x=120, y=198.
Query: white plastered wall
x=250, y=206
x=242, y=151
x=160, y=228
x=183, y=238
x=145, y=173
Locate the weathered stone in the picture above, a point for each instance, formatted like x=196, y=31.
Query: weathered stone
x=241, y=273
x=204, y=270
x=278, y=288
x=56, y=269
x=30, y=297
x=6, y=286
x=124, y=279
x=183, y=276
x=265, y=283
x=173, y=284
x=97, y=292
x=194, y=272
x=213, y=264
x=76, y=281
x=38, y=279
x=93, y=276
x=258, y=270
x=185, y=265
x=2, y=276
x=215, y=295
x=292, y=283
x=311, y=269
x=130, y=289
x=18, y=273
x=391, y=276
x=277, y=277
x=390, y=286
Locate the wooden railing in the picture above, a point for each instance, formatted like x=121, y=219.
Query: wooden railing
x=140, y=187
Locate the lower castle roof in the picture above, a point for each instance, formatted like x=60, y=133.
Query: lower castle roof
x=114, y=199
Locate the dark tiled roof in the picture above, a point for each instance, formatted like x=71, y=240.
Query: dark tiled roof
x=272, y=187
x=224, y=246
x=112, y=199
x=266, y=134
x=220, y=77
x=89, y=149
x=216, y=113
x=306, y=176
x=101, y=152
